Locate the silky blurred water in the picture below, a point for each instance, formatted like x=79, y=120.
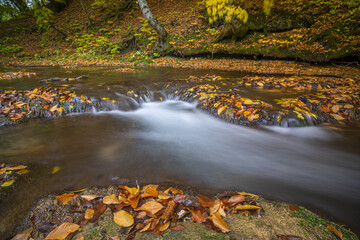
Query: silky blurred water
x=174, y=142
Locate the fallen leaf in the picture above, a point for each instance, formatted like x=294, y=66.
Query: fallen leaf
x=89, y=197
x=337, y=117
x=235, y=200
x=221, y=109
x=8, y=183
x=80, y=238
x=141, y=214
x=55, y=169
x=197, y=216
x=146, y=227
x=151, y=207
x=248, y=194
x=335, y=231
x=112, y=199
x=294, y=208
x=335, y=108
x=177, y=227
x=248, y=102
x=123, y=218
x=164, y=226
x=66, y=197
x=25, y=235
x=89, y=214
x=247, y=207
x=62, y=231
x=169, y=211
x=204, y=201
x=219, y=223
x=150, y=191
x=53, y=109
x=348, y=106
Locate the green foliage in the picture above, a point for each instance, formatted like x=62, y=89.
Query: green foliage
x=9, y=49
x=268, y=4
x=7, y=11
x=141, y=57
x=43, y=17
x=95, y=44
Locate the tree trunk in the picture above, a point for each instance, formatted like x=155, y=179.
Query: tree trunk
x=162, y=43
x=59, y=30
x=87, y=16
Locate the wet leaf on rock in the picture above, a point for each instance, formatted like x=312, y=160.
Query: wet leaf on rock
x=219, y=222
x=335, y=231
x=123, y=218
x=8, y=183
x=62, y=231
x=67, y=197
x=111, y=199
x=151, y=207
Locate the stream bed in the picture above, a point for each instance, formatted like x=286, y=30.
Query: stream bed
x=165, y=140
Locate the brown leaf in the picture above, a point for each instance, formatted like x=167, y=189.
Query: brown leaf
x=335, y=231
x=294, y=207
x=218, y=206
x=66, y=197
x=173, y=190
x=89, y=214
x=62, y=231
x=123, y=218
x=235, y=200
x=169, y=211
x=337, y=117
x=151, y=207
x=134, y=201
x=115, y=238
x=197, y=216
x=146, y=227
x=178, y=227
x=219, y=223
x=25, y=235
x=111, y=199
x=80, y=238
x=204, y=201
x=335, y=108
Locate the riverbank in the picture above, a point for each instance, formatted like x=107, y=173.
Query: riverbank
x=163, y=212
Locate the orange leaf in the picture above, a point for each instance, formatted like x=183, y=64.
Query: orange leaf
x=197, y=216
x=337, y=117
x=53, y=109
x=151, y=207
x=204, y=201
x=335, y=231
x=146, y=227
x=164, y=226
x=178, y=227
x=67, y=197
x=134, y=201
x=63, y=231
x=219, y=223
x=335, y=108
x=112, y=199
x=150, y=191
x=123, y=218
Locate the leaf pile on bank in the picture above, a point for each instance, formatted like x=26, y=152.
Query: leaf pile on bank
x=9, y=173
x=16, y=105
x=123, y=70
x=12, y=75
x=148, y=209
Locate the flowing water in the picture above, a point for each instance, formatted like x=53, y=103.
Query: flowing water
x=174, y=142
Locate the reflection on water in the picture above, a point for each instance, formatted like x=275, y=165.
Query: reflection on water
x=174, y=142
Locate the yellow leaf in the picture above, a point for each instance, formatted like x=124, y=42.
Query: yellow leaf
x=146, y=227
x=82, y=98
x=335, y=108
x=221, y=109
x=348, y=106
x=337, y=117
x=151, y=207
x=8, y=183
x=53, y=109
x=66, y=197
x=247, y=207
x=248, y=194
x=63, y=231
x=248, y=102
x=112, y=199
x=123, y=218
x=219, y=222
x=89, y=213
x=55, y=169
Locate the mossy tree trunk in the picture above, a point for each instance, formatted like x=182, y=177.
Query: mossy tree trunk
x=162, y=43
